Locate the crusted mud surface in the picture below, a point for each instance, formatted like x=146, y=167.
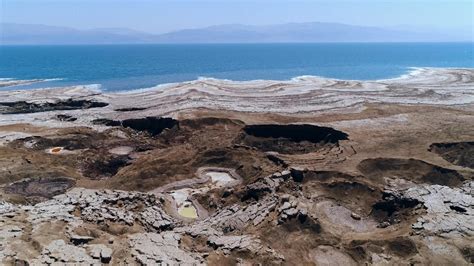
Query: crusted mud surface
x=308, y=172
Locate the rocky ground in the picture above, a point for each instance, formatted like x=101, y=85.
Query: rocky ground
x=307, y=172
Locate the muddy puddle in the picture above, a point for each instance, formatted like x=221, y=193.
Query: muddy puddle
x=184, y=206
x=183, y=193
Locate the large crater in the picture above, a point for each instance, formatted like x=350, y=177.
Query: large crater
x=153, y=125
x=292, y=138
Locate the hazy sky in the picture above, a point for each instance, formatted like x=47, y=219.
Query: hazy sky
x=166, y=15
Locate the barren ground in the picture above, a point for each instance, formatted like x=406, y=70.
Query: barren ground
x=88, y=177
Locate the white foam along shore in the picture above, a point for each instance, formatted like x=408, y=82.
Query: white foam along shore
x=416, y=75
x=411, y=74
x=442, y=80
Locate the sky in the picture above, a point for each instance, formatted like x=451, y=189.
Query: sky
x=160, y=16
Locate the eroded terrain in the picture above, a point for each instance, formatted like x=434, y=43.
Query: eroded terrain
x=307, y=172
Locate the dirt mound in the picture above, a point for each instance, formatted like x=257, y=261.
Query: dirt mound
x=41, y=187
x=26, y=107
x=458, y=153
x=291, y=138
x=410, y=169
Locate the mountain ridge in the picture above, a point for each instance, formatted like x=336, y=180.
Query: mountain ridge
x=309, y=32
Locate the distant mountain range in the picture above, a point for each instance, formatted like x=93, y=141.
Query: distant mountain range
x=292, y=32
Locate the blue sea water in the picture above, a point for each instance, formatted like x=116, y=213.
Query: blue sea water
x=126, y=67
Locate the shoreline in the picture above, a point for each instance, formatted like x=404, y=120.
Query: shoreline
x=410, y=72
x=303, y=97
